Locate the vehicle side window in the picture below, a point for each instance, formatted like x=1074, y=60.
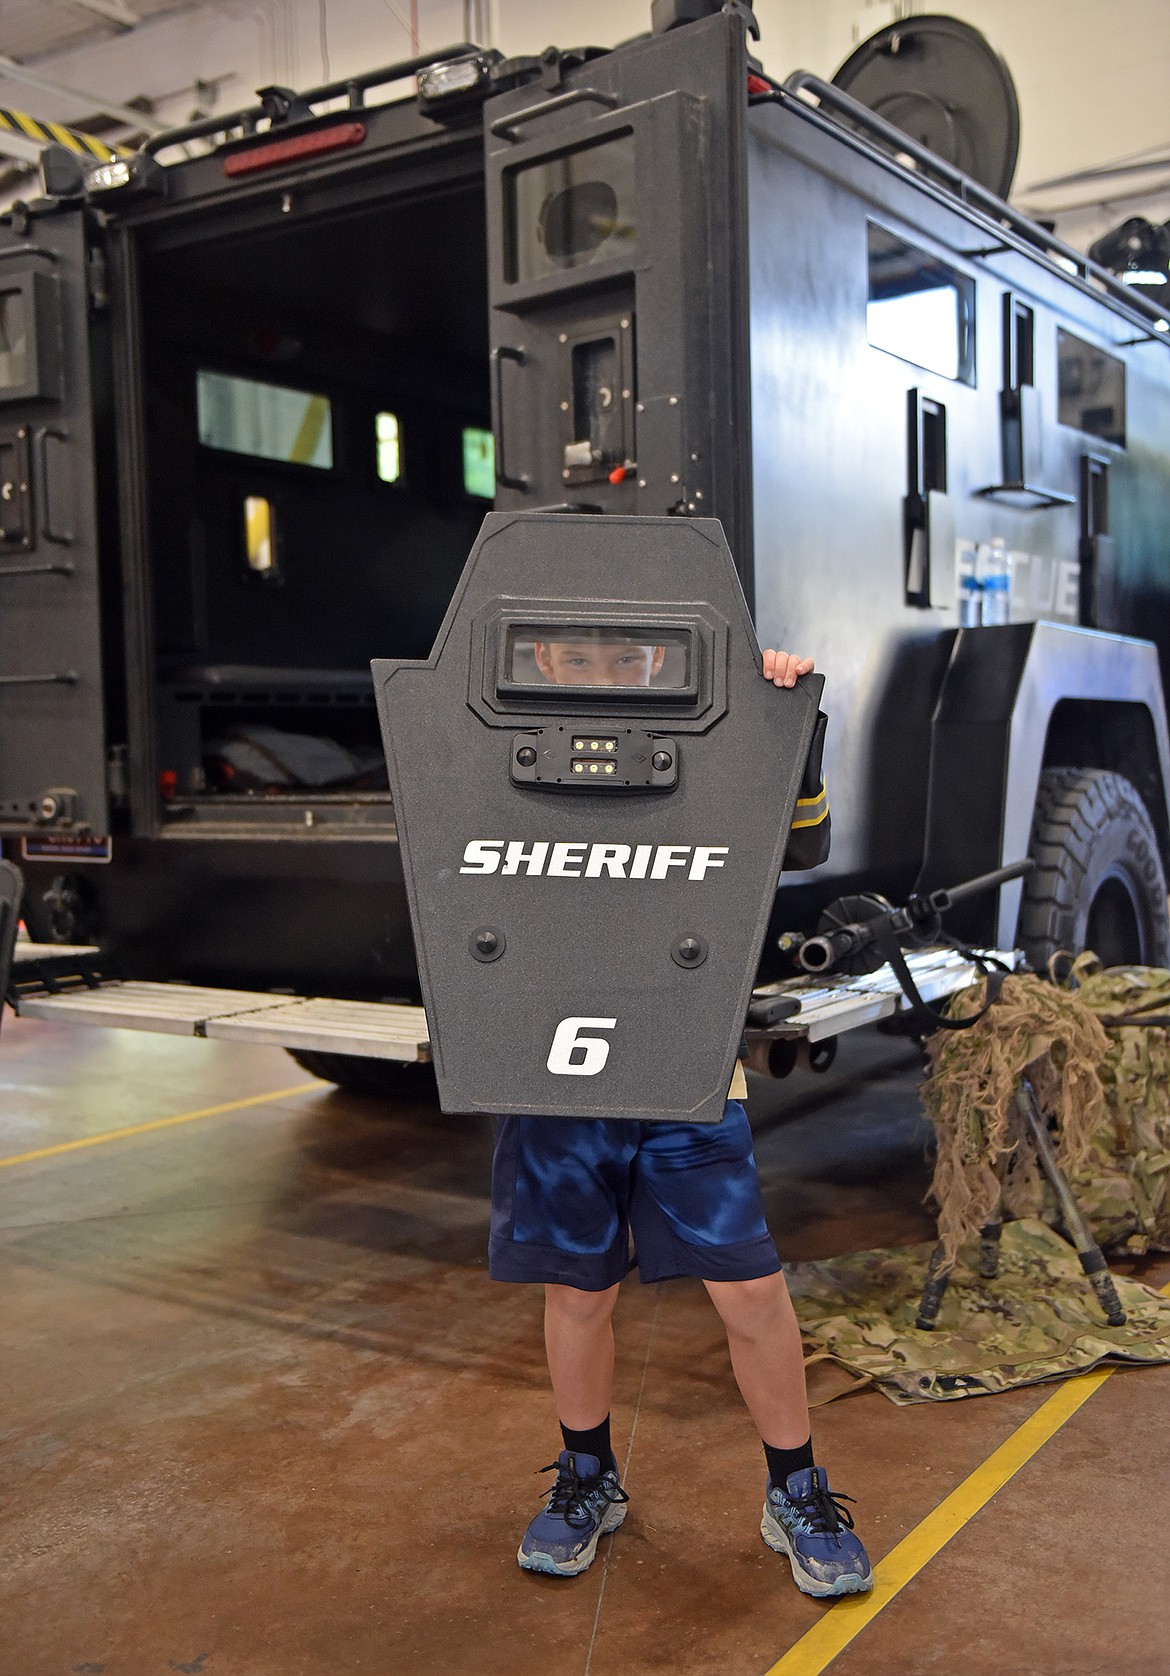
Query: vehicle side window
x=918, y=308
x=1090, y=389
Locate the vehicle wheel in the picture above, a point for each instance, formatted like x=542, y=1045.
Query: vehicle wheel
x=1098, y=882
x=392, y=1079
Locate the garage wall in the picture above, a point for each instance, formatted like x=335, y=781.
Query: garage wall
x=1091, y=79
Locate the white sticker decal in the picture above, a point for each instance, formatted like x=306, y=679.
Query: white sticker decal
x=575, y=1055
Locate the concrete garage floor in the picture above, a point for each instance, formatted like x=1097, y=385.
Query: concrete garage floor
x=265, y=1415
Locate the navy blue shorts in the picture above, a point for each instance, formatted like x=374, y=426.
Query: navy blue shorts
x=567, y=1192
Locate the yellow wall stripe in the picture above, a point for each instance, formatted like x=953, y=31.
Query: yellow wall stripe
x=819, y=1646
x=56, y=133
x=309, y=433
x=158, y=1123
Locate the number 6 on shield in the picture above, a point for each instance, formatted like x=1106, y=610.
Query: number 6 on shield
x=575, y=1055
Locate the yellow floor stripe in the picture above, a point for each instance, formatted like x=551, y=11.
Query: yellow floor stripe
x=159, y=1123
x=847, y=1617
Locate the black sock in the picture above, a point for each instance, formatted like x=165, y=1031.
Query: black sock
x=783, y=1462
x=593, y=1442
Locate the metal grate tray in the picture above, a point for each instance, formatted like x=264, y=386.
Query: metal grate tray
x=833, y=1004
x=370, y=1028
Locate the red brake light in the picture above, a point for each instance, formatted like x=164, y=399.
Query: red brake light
x=272, y=153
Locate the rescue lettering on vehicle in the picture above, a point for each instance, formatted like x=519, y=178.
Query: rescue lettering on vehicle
x=538, y=858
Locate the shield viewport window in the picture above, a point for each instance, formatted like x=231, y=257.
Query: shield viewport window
x=542, y=655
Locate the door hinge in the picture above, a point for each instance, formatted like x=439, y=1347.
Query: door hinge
x=98, y=276
x=117, y=776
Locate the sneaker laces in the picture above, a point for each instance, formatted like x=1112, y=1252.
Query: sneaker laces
x=822, y=1510
x=570, y=1494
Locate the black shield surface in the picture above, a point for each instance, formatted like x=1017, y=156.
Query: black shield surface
x=590, y=952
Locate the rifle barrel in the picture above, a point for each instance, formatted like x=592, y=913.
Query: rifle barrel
x=941, y=900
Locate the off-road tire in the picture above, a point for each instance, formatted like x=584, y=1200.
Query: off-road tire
x=1098, y=876
x=390, y=1079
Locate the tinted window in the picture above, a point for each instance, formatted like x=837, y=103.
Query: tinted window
x=13, y=341
x=1090, y=389
x=265, y=420
x=479, y=462
x=388, y=441
x=573, y=210
x=919, y=308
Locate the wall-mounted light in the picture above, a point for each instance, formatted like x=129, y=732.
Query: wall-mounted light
x=1137, y=252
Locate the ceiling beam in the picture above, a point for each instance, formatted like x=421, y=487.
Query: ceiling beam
x=122, y=113
x=18, y=146
x=111, y=11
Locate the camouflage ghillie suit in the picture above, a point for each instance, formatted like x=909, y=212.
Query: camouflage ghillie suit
x=1123, y=1185
x=983, y=1155
x=1105, y=1087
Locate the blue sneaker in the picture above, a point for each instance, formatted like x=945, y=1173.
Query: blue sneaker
x=585, y=1503
x=806, y=1521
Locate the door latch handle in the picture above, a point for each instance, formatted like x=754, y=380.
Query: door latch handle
x=42, y=436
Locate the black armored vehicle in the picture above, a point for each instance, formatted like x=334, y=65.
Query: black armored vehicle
x=260, y=381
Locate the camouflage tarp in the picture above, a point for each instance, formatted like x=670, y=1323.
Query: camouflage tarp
x=1039, y=1319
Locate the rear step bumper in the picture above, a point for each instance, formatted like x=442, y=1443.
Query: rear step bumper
x=369, y=1029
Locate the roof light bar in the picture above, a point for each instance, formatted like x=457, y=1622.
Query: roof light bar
x=127, y=176
x=456, y=79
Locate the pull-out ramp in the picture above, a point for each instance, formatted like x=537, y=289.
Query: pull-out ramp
x=63, y=985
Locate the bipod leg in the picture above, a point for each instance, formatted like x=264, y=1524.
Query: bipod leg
x=989, y=1237
x=934, y=1289
x=1090, y=1253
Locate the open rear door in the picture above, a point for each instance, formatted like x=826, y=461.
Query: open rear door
x=52, y=729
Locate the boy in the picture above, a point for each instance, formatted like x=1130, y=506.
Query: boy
x=565, y=1194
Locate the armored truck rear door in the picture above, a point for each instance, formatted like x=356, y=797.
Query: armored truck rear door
x=618, y=283
x=52, y=746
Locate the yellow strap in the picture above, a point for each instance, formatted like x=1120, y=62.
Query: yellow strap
x=811, y=811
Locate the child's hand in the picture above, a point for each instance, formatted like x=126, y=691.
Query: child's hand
x=782, y=668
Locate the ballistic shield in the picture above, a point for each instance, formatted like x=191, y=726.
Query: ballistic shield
x=594, y=788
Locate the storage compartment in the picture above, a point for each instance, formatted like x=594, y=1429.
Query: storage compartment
x=318, y=428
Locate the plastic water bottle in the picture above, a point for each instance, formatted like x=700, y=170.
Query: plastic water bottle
x=970, y=600
x=997, y=584
x=969, y=586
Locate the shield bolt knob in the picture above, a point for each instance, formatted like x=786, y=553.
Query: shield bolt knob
x=526, y=756
x=662, y=760
x=487, y=944
x=689, y=951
